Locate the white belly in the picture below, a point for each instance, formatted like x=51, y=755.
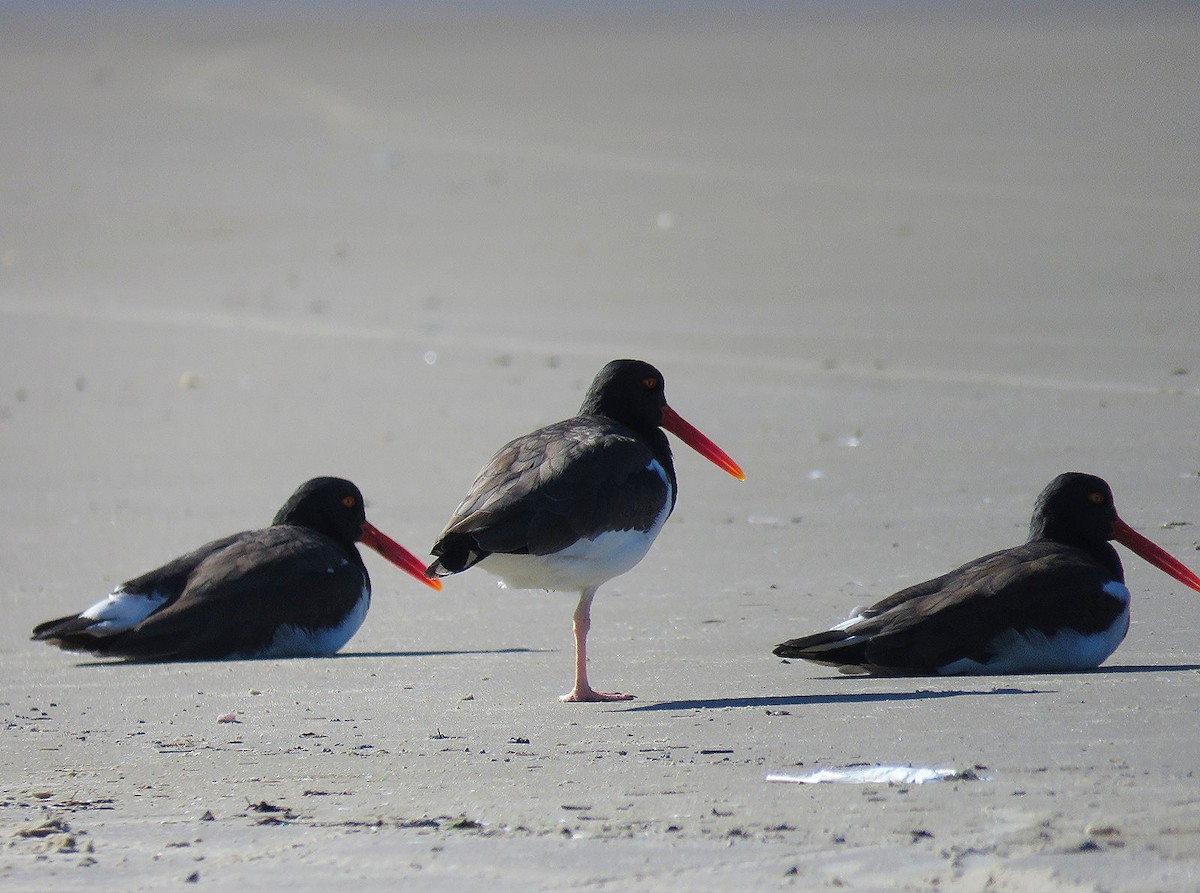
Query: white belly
x=1033, y=651
x=295, y=641
x=580, y=566
x=585, y=563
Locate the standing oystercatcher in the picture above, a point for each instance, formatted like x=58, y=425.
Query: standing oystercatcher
x=296, y=588
x=1058, y=602
x=576, y=503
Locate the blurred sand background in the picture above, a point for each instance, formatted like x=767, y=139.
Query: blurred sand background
x=904, y=263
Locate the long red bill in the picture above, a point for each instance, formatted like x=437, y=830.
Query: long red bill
x=396, y=553
x=689, y=434
x=1160, y=558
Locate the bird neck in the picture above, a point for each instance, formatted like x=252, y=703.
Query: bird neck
x=1100, y=550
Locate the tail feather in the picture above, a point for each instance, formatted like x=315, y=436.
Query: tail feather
x=72, y=634
x=833, y=646
x=454, y=554
x=63, y=627
x=76, y=633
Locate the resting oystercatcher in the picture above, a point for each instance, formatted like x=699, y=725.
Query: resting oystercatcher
x=576, y=503
x=297, y=588
x=1058, y=602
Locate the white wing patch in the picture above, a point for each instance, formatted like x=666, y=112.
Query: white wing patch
x=856, y=617
x=121, y=610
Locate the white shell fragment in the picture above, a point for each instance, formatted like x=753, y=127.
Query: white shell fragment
x=878, y=775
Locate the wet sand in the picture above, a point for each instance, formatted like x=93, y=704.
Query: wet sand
x=904, y=265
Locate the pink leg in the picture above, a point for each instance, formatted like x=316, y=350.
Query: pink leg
x=583, y=622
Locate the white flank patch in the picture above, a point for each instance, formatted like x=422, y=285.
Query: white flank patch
x=295, y=641
x=1034, y=651
x=583, y=564
x=876, y=775
x=122, y=610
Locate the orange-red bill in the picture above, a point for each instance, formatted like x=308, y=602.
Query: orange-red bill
x=1160, y=558
x=689, y=434
x=395, y=553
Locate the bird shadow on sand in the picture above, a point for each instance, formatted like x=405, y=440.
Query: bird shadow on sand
x=1066, y=674
x=866, y=697
x=870, y=697
x=339, y=656
x=346, y=655
x=1142, y=668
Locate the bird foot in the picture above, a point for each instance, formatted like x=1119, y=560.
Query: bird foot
x=581, y=695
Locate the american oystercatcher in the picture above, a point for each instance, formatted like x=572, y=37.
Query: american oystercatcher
x=296, y=588
x=576, y=503
x=1058, y=602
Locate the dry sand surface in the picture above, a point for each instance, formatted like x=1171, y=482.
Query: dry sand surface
x=904, y=264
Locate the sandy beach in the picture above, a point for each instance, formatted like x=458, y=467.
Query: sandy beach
x=905, y=264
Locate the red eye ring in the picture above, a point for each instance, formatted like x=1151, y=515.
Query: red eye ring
x=650, y=383
x=349, y=502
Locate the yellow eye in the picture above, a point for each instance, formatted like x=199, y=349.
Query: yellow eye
x=650, y=383
x=349, y=502
x=1096, y=497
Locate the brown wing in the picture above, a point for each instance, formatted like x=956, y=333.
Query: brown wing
x=167, y=583
x=1037, y=586
x=235, y=598
x=546, y=490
